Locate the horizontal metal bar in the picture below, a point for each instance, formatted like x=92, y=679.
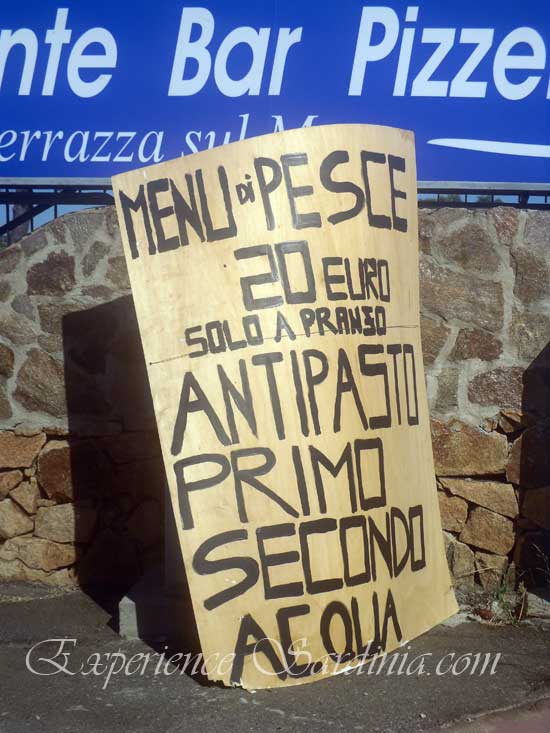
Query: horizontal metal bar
x=56, y=182
x=433, y=204
x=501, y=187
x=479, y=187
x=61, y=197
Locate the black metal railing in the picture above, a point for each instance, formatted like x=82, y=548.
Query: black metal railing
x=24, y=201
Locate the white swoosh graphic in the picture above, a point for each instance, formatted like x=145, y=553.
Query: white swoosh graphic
x=493, y=146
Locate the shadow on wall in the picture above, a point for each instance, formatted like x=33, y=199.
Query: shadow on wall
x=117, y=471
x=531, y=470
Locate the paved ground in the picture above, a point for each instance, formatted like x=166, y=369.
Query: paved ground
x=533, y=718
x=375, y=702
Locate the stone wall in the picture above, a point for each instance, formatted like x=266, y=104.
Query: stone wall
x=81, y=478
x=485, y=289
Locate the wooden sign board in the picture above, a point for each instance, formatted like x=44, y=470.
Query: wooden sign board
x=276, y=287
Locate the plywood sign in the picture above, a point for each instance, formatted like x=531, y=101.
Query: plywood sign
x=276, y=287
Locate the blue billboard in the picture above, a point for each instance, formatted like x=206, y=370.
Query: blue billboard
x=91, y=88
